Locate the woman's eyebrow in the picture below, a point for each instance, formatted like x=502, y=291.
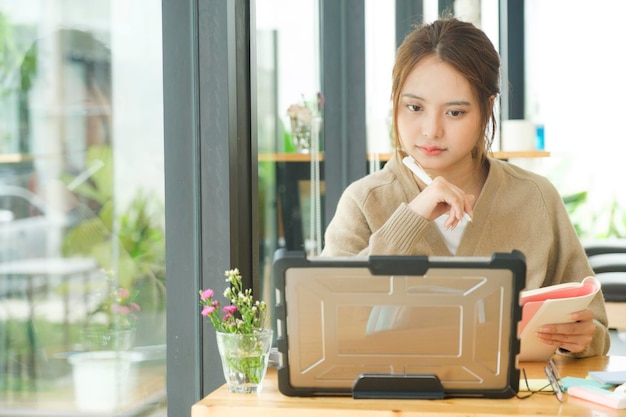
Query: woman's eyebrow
x=450, y=103
x=459, y=103
x=410, y=95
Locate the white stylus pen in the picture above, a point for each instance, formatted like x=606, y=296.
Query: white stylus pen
x=422, y=175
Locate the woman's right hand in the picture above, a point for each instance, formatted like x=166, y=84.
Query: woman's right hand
x=441, y=197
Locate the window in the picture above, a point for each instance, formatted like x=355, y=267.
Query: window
x=573, y=63
x=82, y=248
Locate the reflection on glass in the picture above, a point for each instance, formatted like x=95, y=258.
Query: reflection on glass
x=288, y=78
x=380, y=50
x=82, y=255
x=346, y=321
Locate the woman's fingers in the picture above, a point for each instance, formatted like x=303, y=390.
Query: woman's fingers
x=442, y=197
x=575, y=336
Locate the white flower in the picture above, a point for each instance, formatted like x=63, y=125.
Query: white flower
x=300, y=113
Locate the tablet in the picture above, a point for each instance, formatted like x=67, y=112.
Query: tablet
x=398, y=327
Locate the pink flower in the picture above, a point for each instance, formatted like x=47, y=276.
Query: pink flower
x=121, y=309
x=206, y=294
x=134, y=307
x=226, y=318
x=320, y=101
x=123, y=293
x=229, y=309
x=207, y=310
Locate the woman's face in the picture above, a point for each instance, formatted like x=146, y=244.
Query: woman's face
x=439, y=120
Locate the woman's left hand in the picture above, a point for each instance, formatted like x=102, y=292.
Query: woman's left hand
x=574, y=337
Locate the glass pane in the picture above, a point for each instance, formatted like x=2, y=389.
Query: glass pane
x=563, y=66
x=288, y=77
x=380, y=51
x=82, y=248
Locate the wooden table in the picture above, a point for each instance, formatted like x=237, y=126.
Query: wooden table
x=45, y=272
x=270, y=402
x=33, y=278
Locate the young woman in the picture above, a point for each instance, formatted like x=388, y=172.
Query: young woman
x=445, y=82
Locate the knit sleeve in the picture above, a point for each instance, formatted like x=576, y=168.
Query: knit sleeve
x=347, y=233
x=350, y=231
x=399, y=234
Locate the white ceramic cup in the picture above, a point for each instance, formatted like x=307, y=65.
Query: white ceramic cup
x=518, y=135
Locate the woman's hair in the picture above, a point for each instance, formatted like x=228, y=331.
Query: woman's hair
x=469, y=51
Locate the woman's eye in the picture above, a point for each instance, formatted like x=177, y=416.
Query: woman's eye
x=413, y=107
x=456, y=113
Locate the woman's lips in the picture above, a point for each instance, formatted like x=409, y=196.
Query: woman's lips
x=431, y=150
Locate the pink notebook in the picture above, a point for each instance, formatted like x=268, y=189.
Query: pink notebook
x=550, y=305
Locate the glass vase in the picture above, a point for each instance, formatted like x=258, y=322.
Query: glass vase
x=95, y=338
x=301, y=136
x=244, y=359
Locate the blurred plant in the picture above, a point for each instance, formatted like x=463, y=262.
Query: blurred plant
x=573, y=202
x=15, y=59
x=614, y=219
x=118, y=310
x=131, y=243
x=609, y=222
x=18, y=68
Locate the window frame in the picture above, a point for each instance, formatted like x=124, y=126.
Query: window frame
x=209, y=216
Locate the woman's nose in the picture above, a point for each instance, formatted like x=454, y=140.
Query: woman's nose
x=431, y=126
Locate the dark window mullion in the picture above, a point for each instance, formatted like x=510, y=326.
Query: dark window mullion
x=512, y=51
x=408, y=13
x=342, y=31
x=207, y=124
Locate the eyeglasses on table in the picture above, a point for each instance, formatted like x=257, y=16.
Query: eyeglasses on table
x=553, y=387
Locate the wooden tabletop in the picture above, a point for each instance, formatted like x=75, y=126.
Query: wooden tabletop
x=271, y=403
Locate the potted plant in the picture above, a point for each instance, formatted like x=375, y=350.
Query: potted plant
x=129, y=243
x=102, y=374
x=112, y=324
x=243, y=342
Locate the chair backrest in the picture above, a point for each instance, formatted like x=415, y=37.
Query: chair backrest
x=607, y=258
x=608, y=262
x=599, y=247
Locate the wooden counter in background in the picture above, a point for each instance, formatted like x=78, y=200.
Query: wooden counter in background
x=13, y=158
x=306, y=157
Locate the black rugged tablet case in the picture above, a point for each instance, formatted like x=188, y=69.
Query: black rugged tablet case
x=397, y=326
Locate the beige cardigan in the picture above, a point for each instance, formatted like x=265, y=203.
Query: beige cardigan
x=516, y=209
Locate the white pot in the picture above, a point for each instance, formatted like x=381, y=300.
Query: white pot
x=103, y=380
